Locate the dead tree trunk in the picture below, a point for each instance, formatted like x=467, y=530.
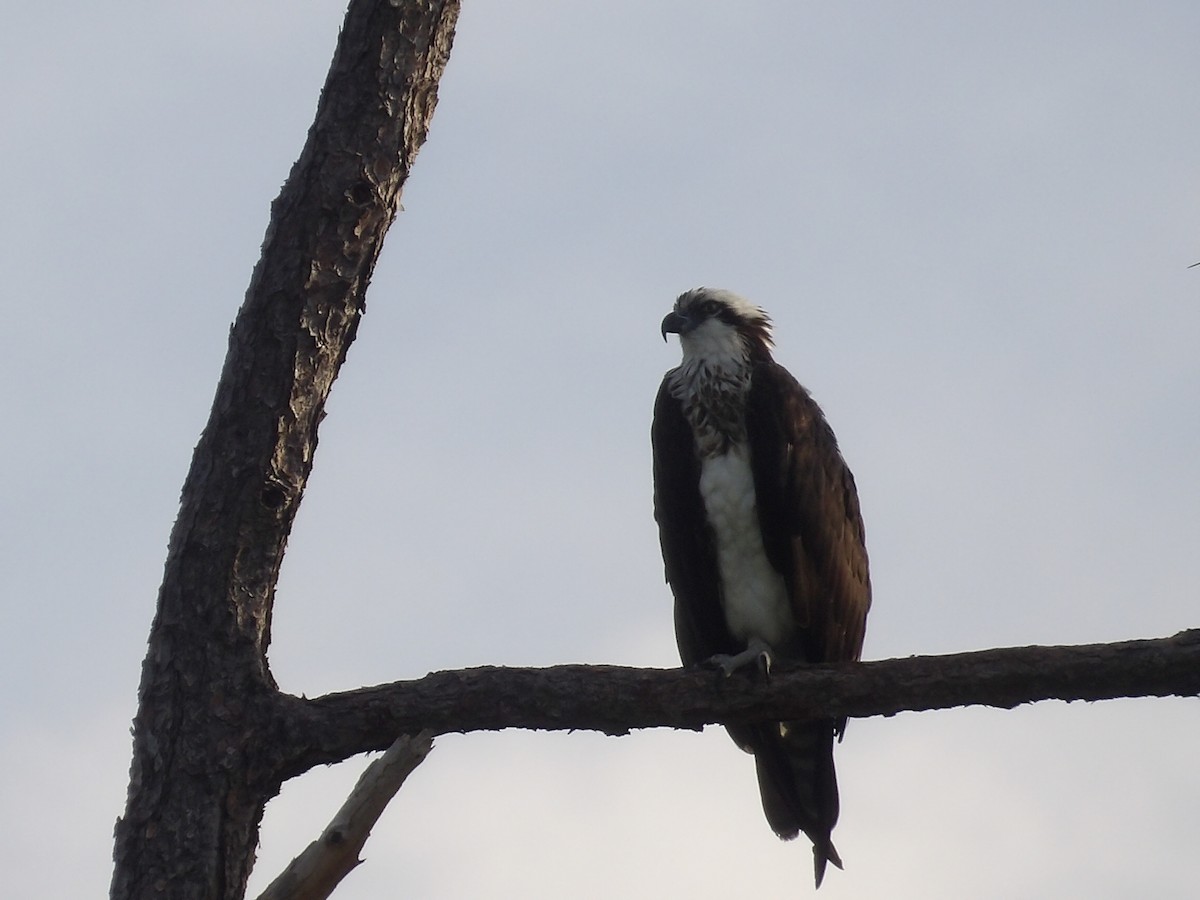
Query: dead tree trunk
x=199, y=782
x=213, y=737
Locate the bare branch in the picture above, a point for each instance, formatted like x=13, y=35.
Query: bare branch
x=615, y=700
x=214, y=738
x=322, y=865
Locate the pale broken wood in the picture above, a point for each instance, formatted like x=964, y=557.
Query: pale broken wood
x=315, y=873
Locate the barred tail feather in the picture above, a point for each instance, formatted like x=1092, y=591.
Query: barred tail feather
x=798, y=784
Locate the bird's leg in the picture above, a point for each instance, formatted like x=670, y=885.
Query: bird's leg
x=757, y=652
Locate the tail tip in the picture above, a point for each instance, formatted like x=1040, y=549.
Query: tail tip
x=824, y=853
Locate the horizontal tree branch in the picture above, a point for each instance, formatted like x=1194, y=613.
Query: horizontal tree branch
x=615, y=699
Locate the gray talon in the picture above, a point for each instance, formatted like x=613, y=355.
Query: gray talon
x=756, y=653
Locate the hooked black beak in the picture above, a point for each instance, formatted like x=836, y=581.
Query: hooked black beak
x=673, y=323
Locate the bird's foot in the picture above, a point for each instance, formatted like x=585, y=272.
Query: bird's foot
x=757, y=653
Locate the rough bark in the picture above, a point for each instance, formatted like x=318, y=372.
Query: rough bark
x=198, y=783
x=214, y=737
x=614, y=700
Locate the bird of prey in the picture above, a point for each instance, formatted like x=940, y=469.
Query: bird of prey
x=762, y=539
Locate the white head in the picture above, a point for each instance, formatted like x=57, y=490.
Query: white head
x=716, y=327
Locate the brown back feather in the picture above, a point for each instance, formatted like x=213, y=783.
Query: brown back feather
x=808, y=508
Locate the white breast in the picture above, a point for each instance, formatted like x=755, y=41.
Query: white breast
x=753, y=593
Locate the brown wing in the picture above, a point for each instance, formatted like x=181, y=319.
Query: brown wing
x=808, y=509
x=687, y=542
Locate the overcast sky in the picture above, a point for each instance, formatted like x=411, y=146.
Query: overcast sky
x=972, y=224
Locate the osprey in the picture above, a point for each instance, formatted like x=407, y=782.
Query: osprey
x=762, y=539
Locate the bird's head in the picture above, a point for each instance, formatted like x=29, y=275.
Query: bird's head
x=718, y=325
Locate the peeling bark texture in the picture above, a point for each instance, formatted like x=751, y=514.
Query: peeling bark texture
x=197, y=782
x=615, y=700
x=214, y=738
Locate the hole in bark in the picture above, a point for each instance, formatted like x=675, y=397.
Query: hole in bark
x=361, y=194
x=272, y=497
